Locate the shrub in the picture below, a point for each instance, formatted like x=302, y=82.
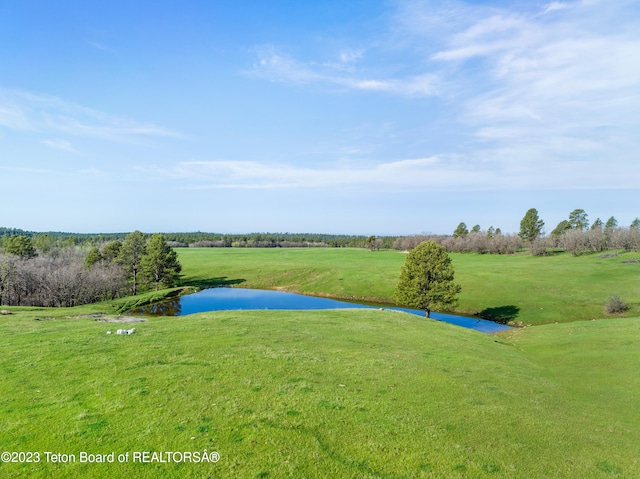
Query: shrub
x=615, y=305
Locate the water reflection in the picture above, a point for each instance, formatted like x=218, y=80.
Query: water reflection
x=171, y=307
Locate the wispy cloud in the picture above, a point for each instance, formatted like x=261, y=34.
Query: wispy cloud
x=252, y=174
x=431, y=175
x=552, y=92
x=279, y=67
x=553, y=6
x=25, y=111
x=12, y=115
x=543, y=95
x=62, y=145
x=101, y=47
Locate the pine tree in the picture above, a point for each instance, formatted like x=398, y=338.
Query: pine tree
x=92, y=257
x=578, y=220
x=461, y=230
x=531, y=225
x=20, y=246
x=131, y=254
x=426, y=279
x=611, y=223
x=160, y=262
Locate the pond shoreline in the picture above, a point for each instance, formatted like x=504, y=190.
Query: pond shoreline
x=245, y=299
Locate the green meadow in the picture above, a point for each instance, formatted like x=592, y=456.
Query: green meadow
x=532, y=290
x=344, y=394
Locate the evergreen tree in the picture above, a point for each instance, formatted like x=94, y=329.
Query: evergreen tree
x=563, y=226
x=461, y=230
x=426, y=279
x=578, y=220
x=597, y=224
x=111, y=250
x=92, y=257
x=130, y=256
x=611, y=223
x=531, y=225
x=20, y=246
x=160, y=262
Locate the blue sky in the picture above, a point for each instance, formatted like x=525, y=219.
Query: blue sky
x=357, y=117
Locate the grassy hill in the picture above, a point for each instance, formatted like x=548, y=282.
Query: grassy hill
x=345, y=394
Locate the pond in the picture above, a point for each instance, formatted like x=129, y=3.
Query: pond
x=234, y=299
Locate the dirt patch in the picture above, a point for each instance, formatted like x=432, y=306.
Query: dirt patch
x=104, y=318
x=123, y=319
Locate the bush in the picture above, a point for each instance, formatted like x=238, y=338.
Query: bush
x=615, y=305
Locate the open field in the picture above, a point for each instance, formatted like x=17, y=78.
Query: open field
x=345, y=394
x=533, y=290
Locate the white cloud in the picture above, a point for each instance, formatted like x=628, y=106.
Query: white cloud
x=24, y=111
x=553, y=6
x=12, y=116
x=62, y=145
x=101, y=47
x=542, y=96
x=432, y=175
x=350, y=55
x=551, y=95
x=279, y=67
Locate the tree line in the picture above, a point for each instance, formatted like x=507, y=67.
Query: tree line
x=71, y=276
x=49, y=240
x=575, y=235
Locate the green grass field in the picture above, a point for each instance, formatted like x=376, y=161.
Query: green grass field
x=344, y=394
x=532, y=290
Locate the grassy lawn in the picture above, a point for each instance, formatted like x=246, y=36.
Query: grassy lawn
x=345, y=394
x=533, y=290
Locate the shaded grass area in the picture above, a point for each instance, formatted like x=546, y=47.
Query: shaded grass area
x=345, y=394
x=115, y=307
x=522, y=288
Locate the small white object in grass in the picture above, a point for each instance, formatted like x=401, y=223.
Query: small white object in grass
x=108, y=332
x=126, y=331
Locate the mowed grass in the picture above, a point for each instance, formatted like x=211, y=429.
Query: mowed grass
x=533, y=290
x=341, y=394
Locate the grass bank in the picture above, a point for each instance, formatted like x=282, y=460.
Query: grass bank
x=532, y=290
x=344, y=394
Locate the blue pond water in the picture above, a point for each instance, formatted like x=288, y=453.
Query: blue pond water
x=233, y=299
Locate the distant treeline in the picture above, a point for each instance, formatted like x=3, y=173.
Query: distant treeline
x=574, y=235
x=45, y=241
x=577, y=242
